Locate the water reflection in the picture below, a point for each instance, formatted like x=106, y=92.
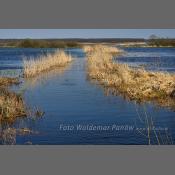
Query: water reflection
x=21, y=127
x=42, y=78
x=11, y=73
x=147, y=123
x=64, y=96
x=149, y=129
x=155, y=59
x=160, y=102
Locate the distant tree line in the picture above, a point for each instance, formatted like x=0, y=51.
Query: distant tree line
x=161, y=42
x=157, y=41
x=77, y=42
x=61, y=43
x=38, y=43
x=30, y=43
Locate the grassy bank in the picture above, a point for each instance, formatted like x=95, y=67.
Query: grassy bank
x=35, y=66
x=11, y=104
x=136, y=84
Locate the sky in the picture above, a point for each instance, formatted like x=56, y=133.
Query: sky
x=84, y=33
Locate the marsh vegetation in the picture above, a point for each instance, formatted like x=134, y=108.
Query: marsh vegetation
x=135, y=83
x=35, y=66
x=62, y=94
x=11, y=104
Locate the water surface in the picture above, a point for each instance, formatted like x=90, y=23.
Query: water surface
x=161, y=59
x=71, y=102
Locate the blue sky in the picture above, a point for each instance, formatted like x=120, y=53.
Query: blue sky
x=85, y=33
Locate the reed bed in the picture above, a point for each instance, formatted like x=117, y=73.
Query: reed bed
x=103, y=48
x=11, y=104
x=33, y=67
x=5, y=81
x=137, y=84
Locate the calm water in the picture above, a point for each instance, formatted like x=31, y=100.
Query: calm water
x=162, y=59
x=73, y=104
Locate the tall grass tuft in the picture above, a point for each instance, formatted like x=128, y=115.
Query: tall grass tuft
x=33, y=67
x=136, y=83
x=103, y=48
x=5, y=81
x=11, y=104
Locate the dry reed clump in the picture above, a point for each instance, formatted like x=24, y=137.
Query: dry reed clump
x=103, y=48
x=5, y=81
x=33, y=67
x=11, y=104
x=137, y=84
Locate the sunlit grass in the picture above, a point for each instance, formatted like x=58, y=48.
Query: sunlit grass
x=102, y=48
x=137, y=84
x=5, y=81
x=33, y=67
x=11, y=104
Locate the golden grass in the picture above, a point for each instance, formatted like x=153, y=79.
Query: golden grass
x=137, y=84
x=33, y=67
x=11, y=104
x=5, y=81
x=102, y=48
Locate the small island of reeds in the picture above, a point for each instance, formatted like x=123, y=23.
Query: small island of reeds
x=35, y=66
